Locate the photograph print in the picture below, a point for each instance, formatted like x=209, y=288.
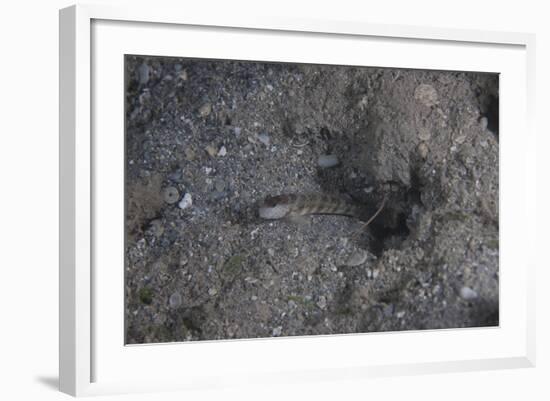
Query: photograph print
x=268, y=199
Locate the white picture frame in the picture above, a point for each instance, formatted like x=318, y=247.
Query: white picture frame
x=82, y=346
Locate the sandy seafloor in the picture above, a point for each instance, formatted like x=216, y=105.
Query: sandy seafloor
x=207, y=140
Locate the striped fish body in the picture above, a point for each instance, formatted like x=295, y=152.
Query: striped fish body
x=293, y=205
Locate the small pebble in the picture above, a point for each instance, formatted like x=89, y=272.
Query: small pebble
x=219, y=185
x=205, y=110
x=212, y=292
x=327, y=161
x=222, y=152
x=271, y=252
x=144, y=97
x=388, y=310
x=175, y=300
x=460, y=138
x=483, y=123
x=277, y=331
x=322, y=303
x=423, y=150
x=436, y=289
x=400, y=314
x=157, y=228
x=467, y=293
x=357, y=258
x=264, y=138
x=363, y=103
x=143, y=73
x=186, y=202
x=426, y=94
x=171, y=195
x=237, y=131
x=211, y=150
x=253, y=298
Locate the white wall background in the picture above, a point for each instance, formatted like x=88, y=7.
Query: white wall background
x=29, y=186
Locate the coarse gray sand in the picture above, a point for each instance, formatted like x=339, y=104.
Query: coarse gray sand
x=207, y=140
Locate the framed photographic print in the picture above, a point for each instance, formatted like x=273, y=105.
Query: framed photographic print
x=272, y=200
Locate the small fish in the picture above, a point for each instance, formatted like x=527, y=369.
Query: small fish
x=293, y=205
